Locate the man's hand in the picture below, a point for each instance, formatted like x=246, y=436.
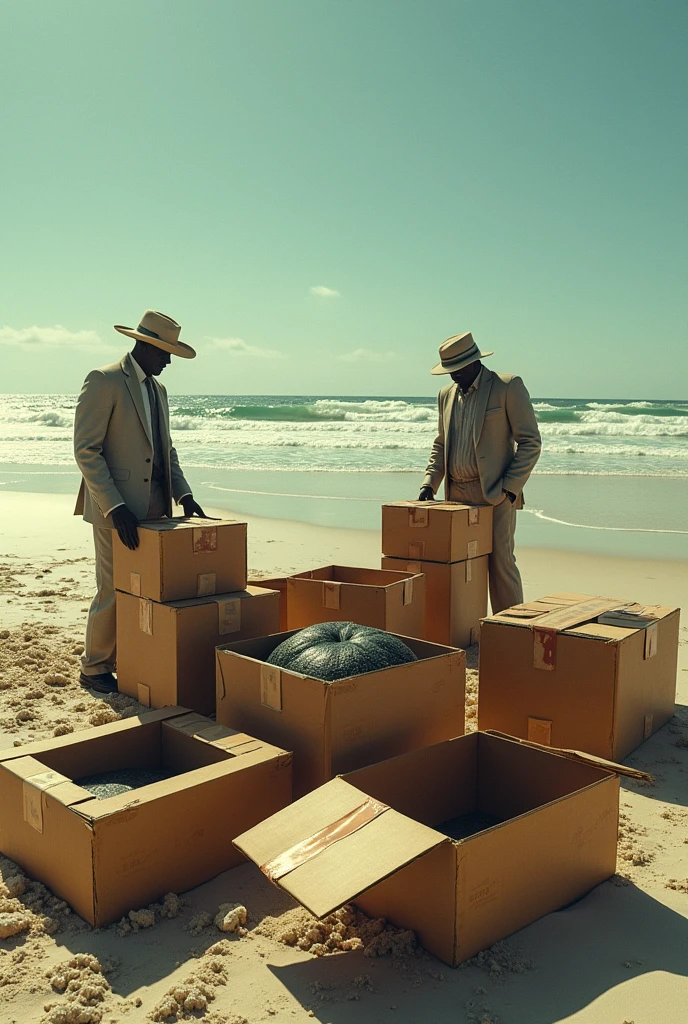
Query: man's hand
x=126, y=525
x=192, y=508
x=426, y=494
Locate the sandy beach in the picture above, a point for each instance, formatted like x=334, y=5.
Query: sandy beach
x=619, y=956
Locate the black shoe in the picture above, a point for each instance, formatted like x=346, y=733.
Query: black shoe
x=105, y=682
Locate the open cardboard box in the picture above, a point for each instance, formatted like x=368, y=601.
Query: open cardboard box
x=455, y=597
x=180, y=558
x=335, y=727
x=463, y=842
x=436, y=531
x=278, y=583
x=394, y=601
x=551, y=672
x=106, y=857
x=166, y=652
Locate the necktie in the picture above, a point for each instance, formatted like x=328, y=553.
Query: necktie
x=158, y=461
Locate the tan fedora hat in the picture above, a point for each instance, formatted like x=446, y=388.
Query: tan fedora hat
x=161, y=331
x=457, y=352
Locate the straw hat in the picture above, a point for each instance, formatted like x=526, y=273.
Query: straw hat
x=161, y=331
x=457, y=352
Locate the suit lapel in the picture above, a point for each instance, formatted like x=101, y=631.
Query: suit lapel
x=481, y=403
x=135, y=392
x=164, y=415
x=447, y=410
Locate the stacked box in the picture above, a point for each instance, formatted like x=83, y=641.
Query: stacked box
x=278, y=583
x=108, y=856
x=393, y=601
x=338, y=726
x=463, y=842
x=571, y=670
x=180, y=594
x=449, y=543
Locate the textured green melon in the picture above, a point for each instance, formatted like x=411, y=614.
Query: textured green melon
x=108, y=784
x=336, y=650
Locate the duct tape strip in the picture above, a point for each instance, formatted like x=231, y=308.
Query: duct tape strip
x=408, y=592
x=229, y=615
x=206, y=584
x=135, y=584
x=33, y=789
x=309, y=848
x=204, y=538
x=146, y=615
x=418, y=517
x=331, y=594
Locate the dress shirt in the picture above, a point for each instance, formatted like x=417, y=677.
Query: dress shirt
x=141, y=377
x=463, y=462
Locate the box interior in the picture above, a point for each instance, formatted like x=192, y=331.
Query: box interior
x=349, y=574
x=472, y=783
x=153, y=745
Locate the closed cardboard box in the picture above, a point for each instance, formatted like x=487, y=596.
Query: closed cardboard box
x=394, y=601
x=106, y=857
x=335, y=727
x=455, y=598
x=464, y=842
x=559, y=671
x=278, y=583
x=436, y=531
x=166, y=652
x=181, y=558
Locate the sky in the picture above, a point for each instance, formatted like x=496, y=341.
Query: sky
x=322, y=191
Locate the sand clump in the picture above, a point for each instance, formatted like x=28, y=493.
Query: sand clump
x=630, y=848
x=84, y=987
x=500, y=960
x=136, y=920
x=231, y=917
x=344, y=930
x=26, y=906
x=187, y=997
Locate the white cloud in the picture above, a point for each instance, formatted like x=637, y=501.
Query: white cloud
x=241, y=348
x=50, y=338
x=324, y=292
x=366, y=355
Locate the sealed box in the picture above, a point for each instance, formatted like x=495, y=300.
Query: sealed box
x=338, y=726
x=108, y=856
x=562, y=671
x=278, y=583
x=394, y=601
x=455, y=597
x=181, y=558
x=463, y=842
x=436, y=531
x=166, y=652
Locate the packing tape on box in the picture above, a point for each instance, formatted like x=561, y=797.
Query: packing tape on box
x=307, y=849
x=472, y=549
x=414, y=567
x=416, y=549
x=271, y=687
x=206, y=584
x=473, y=515
x=469, y=570
x=144, y=694
x=146, y=615
x=407, y=592
x=229, y=615
x=651, y=639
x=33, y=789
x=204, y=538
x=540, y=731
x=544, y=649
x=135, y=584
x=418, y=517
x=648, y=722
x=331, y=594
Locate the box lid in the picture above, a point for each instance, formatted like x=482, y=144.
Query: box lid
x=333, y=844
x=190, y=523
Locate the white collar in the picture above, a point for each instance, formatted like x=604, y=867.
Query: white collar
x=139, y=372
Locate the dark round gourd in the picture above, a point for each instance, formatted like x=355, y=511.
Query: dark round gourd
x=336, y=650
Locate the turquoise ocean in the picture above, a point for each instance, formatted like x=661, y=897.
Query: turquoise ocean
x=613, y=476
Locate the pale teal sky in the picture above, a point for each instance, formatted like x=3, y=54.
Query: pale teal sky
x=517, y=169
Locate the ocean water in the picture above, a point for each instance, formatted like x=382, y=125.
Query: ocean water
x=608, y=466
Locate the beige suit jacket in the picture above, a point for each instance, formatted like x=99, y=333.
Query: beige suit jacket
x=506, y=437
x=113, y=448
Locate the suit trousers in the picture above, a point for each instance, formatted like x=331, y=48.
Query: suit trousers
x=506, y=588
x=100, y=648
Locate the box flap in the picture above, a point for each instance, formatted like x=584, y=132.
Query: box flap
x=600, y=631
x=333, y=844
x=578, y=755
x=190, y=523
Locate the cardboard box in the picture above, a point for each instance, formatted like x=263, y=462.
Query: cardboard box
x=551, y=672
x=106, y=857
x=464, y=842
x=436, y=531
x=394, y=601
x=335, y=727
x=455, y=597
x=166, y=652
x=181, y=558
x=278, y=583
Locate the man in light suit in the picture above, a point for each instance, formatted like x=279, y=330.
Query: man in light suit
x=486, y=447
x=130, y=469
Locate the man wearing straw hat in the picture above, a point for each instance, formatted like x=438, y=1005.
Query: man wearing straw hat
x=486, y=447
x=130, y=469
